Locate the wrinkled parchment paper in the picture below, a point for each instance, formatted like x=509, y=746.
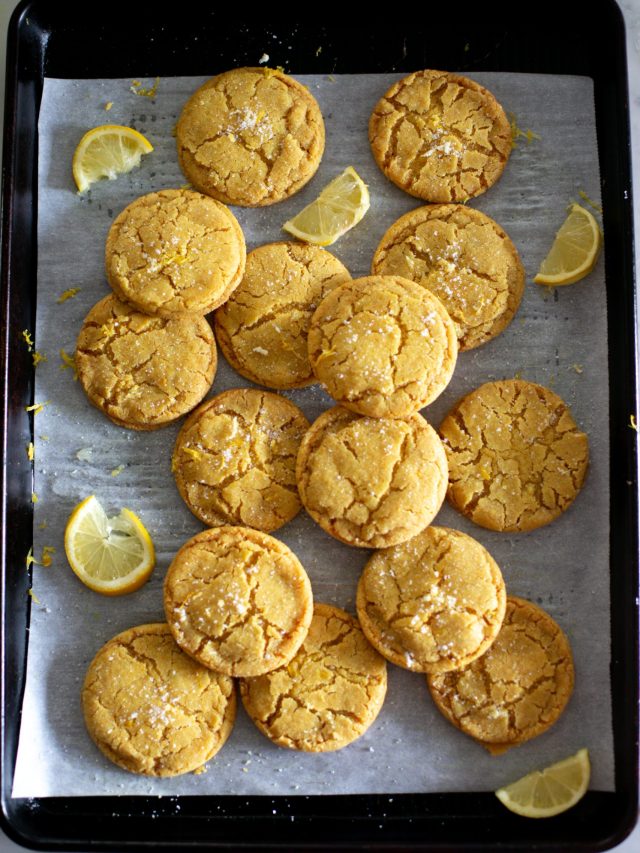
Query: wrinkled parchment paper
x=557, y=338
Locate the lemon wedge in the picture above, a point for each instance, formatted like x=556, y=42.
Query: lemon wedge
x=112, y=556
x=340, y=206
x=106, y=152
x=545, y=793
x=574, y=251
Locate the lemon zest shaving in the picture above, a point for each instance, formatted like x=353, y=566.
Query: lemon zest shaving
x=69, y=293
x=44, y=437
x=34, y=498
x=597, y=207
x=517, y=132
x=146, y=92
x=484, y=473
x=47, y=551
x=108, y=105
x=38, y=357
x=117, y=471
x=33, y=596
x=331, y=78
x=37, y=408
x=30, y=558
x=68, y=361
x=578, y=368
x=191, y=451
x=326, y=353
x=319, y=51
x=26, y=334
x=30, y=451
x=633, y=423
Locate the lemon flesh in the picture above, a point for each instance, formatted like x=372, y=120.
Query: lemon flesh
x=548, y=792
x=109, y=555
x=574, y=251
x=340, y=206
x=106, y=152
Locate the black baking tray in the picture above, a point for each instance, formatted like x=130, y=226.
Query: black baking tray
x=147, y=39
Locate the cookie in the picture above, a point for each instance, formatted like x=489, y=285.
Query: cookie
x=262, y=328
x=235, y=459
x=434, y=603
x=328, y=695
x=517, y=460
x=250, y=136
x=518, y=688
x=462, y=256
x=151, y=709
x=175, y=252
x=238, y=601
x=440, y=136
x=371, y=482
x=143, y=372
x=382, y=346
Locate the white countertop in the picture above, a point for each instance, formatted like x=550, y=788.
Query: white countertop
x=631, y=11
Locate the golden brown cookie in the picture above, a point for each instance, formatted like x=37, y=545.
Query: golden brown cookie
x=262, y=329
x=382, y=346
x=238, y=601
x=175, y=252
x=440, y=136
x=517, y=460
x=250, y=136
x=462, y=256
x=143, y=372
x=235, y=459
x=371, y=482
x=434, y=603
x=151, y=709
x=330, y=692
x=518, y=688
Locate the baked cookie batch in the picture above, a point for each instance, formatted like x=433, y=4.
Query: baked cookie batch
x=159, y=699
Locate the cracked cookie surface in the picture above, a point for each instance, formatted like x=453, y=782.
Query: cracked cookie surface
x=517, y=460
x=175, y=252
x=382, y=346
x=143, y=372
x=250, y=136
x=518, y=688
x=371, y=482
x=440, y=136
x=151, y=709
x=262, y=329
x=238, y=601
x=330, y=692
x=235, y=459
x=434, y=603
x=462, y=256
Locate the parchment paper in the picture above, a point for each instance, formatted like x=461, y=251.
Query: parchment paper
x=557, y=339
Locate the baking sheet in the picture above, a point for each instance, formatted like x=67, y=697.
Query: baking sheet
x=557, y=338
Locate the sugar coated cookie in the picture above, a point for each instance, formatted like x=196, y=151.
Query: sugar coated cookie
x=250, y=136
x=330, y=692
x=371, y=482
x=151, y=709
x=175, y=252
x=462, y=256
x=517, y=460
x=382, y=346
x=262, y=328
x=434, y=603
x=235, y=459
x=238, y=601
x=143, y=372
x=440, y=137
x=518, y=688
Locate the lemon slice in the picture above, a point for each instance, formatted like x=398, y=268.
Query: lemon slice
x=106, y=152
x=340, y=206
x=109, y=555
x=574, y=251
x=549, y=792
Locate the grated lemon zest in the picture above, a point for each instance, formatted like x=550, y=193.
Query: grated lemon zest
x=68, y=361
x=484, y=473
x=34, y=498
x=116, y=471
x=26, y=334
x=108, y=105
x=30, y=451
x=67, y=294
x=578, y=368
x=30, y=558
x=44, y=438
x=331, y=78
x=146, y=92
x=37, y=407
x=195, y=454
x=633, y=423
x=47, y=551
x=38, y=357
x=33, y=596
x=319, y=51
x=517, y=132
